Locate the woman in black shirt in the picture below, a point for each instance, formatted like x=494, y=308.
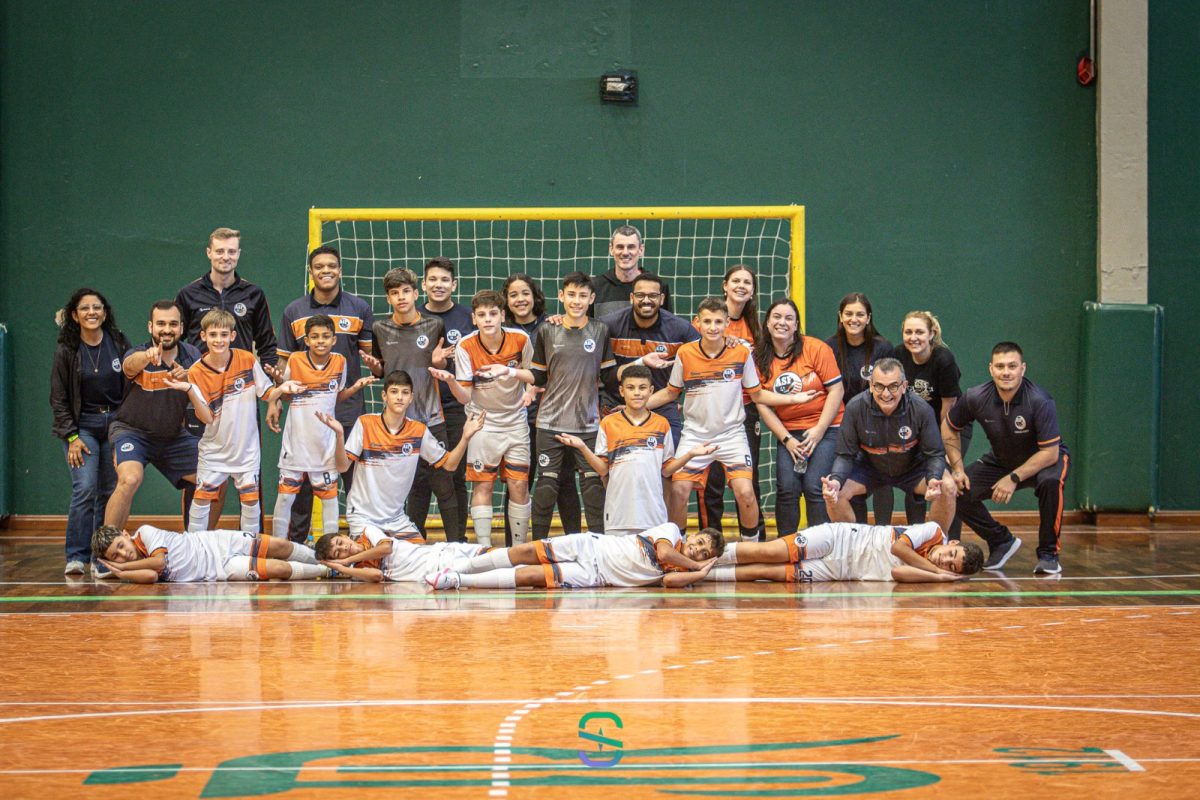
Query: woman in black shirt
x=86, y=387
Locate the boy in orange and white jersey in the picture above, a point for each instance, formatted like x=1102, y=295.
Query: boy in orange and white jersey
x=230, y=380
x=492, y=376
x=847, y=551
x=634, y=451
x=151, y=555
x=712, y=374
x=307, y=453
x=660, y=555
x=386, y=448
x=374, y=556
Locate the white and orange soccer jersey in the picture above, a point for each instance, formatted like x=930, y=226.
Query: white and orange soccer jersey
x=308, y=442
x=712, y=405
x=585, y=560
x=412, y=561
x=635, y=453
x=847, y=551
x=195, y=556
x=386, y=463
x=499, y=397
x=230, y=442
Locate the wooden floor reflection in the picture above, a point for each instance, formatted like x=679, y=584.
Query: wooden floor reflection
x=1006, y=686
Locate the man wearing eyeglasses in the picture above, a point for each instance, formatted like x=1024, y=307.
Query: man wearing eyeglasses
x=889, y=437
x=642, y=332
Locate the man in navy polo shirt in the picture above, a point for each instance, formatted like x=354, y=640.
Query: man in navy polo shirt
x=352, y=320
x=1021, y=423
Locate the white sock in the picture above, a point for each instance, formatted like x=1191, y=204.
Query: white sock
x=486, y=562
x=282, y=517
x=722, y=574
x=728, y=555
x=496, y=579
x=518, y=520
x=249, y=516
x=481, y=516
x=198, y=516
x=329, y=516
x=302, y=554
x=306, y=572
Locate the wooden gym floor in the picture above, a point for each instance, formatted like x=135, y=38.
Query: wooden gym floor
x=1081, y=686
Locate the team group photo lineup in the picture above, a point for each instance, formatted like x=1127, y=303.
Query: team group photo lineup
x=585, y=395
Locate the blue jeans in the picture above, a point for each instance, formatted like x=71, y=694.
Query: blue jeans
x=91, y=484
x=789, y=485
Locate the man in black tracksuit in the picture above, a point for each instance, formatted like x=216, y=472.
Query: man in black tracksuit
x=889, y=437
x=614, y=287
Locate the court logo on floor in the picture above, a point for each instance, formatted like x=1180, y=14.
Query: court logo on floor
x=600, y=758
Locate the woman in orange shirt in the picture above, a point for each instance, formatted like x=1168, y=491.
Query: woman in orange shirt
x=789, y=362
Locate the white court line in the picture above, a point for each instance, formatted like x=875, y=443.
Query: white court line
x=1128, y=762
x=890, y=701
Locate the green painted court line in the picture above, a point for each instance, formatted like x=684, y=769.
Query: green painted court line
x=622, y=595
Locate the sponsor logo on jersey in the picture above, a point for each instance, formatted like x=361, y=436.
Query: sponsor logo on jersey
x=905, y=432
x=127, y=447
x=116, y=365
x=239, y=309
x=589, y=345
x=1019, y=423
x=453, y=335
x=786, y=382
x=422, y=341
x=727, y=374
x=239, y=384
x=406, y=449
x=544, y=460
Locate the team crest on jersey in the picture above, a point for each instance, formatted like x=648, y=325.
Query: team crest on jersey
x=452, y=336
x=239, y=384
x=512, y=362
x=905, y=432
x=651, y=442
x=544, y=460
x=406, y=449
x=343, y=323
x=478, y=465
x=865, y=372
x=1019, y=423
x=660, y=348
x=240, y=309
x=589, y=345
x=116, y=365
x=727, y=374
x=252, y=575
x=422, y=341
x=127, y=447
x=333, y=384
x=786, y=382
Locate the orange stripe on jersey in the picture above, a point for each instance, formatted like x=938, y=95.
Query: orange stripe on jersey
x=153, y=381
x=636, y=348
x=348, y=325
x=512, y=347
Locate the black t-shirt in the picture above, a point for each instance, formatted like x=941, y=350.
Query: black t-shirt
x=1017, y=429
x=101, y=381
x=856, y=366
x=936, y=378
x=150, y=406
x=457, y=321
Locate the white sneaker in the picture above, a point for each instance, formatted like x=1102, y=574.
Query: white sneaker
x=446, y=579
x=74, y=568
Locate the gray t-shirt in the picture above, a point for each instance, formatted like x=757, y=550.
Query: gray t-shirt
x=410, y=348
x=572, y=361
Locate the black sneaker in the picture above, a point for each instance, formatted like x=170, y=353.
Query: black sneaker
x=1047, y=565
x=1001, y=553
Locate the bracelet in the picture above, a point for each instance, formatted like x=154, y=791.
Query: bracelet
x=72, y=438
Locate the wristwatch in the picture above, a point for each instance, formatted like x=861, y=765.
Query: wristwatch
x=1015, y=478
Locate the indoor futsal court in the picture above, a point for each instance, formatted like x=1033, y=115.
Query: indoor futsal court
x=1005, y=685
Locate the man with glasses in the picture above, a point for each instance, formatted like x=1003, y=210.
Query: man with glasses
x=889, y=437
x=644, y=333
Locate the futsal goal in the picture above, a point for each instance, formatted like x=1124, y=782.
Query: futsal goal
x=691, y=247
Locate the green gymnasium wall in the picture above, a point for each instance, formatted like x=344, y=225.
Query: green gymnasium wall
x=943, y=149
x=1174, y=144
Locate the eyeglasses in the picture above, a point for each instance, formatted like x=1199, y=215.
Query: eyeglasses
x=891, y=388
x=647, y=295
